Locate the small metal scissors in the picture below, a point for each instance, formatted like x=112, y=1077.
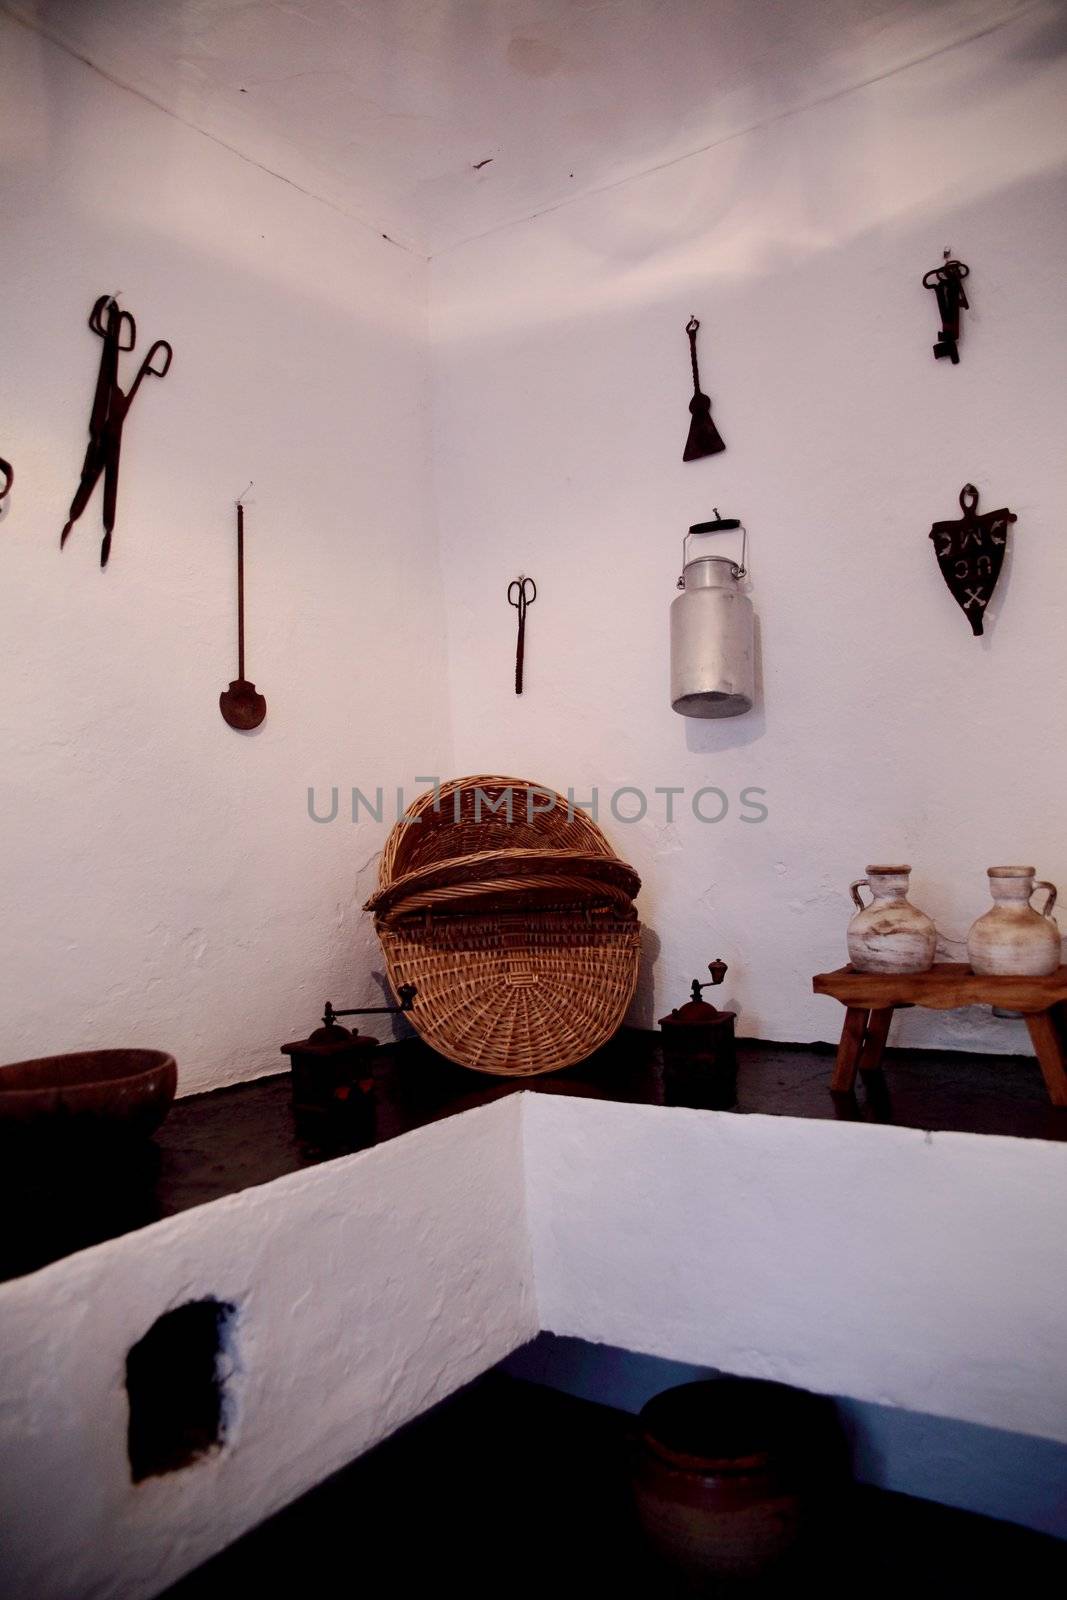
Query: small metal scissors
x=7, y=474
x=118, y=330
x=519, y=587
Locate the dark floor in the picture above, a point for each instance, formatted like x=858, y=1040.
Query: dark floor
x=215, y=1144
x=510, y=1489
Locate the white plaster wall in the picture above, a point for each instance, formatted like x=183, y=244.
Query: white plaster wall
x=162, y=883
x=917, y=1270
x=367, y=1289
x=884, y=730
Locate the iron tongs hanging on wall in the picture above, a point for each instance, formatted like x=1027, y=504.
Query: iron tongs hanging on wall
x=111, y=406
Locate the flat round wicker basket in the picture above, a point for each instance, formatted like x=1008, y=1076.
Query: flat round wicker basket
x=521, y=937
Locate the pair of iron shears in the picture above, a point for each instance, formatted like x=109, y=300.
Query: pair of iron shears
x=525, y=593
x=111, y=406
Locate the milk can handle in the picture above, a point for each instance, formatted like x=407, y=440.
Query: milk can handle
x=1046, y=909
x=719, y=525
x=854, y=891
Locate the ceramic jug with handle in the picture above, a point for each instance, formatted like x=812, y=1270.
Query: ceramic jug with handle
x=1013, y=938
x=890, y=934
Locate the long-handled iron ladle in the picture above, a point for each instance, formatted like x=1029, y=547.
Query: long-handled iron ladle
x=240, y=704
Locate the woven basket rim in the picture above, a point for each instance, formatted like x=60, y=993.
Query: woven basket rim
x=487, y=866
x=513, y=903
x=430, y=809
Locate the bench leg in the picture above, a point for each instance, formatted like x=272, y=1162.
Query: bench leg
x=848, y=1051
x=1048, y=1047
x=874, y=1040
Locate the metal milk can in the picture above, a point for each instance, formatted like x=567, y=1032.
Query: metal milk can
x=713, y=658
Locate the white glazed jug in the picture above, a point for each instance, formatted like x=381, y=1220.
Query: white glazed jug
x=1013, y=938
x=889, y=935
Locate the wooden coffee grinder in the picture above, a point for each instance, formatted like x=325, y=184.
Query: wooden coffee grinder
x=699, y=1052
x=332, y=1077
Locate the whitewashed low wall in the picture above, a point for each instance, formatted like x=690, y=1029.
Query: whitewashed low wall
x=366, y=1290
x=919, y=1270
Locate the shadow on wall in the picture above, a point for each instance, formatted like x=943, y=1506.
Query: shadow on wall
x=1048, y=39
x=642, y=1012
x=398, y=1024
x=1015, y=1477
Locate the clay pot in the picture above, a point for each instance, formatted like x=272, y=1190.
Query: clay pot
x=729, y=1474
x=1013, y=937
x=889, y=935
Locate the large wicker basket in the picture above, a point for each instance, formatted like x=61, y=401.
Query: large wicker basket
x=520, y=935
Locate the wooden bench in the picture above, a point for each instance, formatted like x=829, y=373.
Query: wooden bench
x=870, y=998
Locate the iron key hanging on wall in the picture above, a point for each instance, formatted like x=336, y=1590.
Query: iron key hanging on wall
x=704, y=437
x=970, y=553
x=947, y=283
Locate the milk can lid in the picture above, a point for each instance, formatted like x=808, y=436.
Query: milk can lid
x=717, y=525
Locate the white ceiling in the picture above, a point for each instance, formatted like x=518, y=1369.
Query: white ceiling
x=386, y=108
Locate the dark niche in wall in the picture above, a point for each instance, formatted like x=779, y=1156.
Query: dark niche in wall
x=175, y=1381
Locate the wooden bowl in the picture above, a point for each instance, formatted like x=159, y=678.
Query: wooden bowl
x=90, y=1094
